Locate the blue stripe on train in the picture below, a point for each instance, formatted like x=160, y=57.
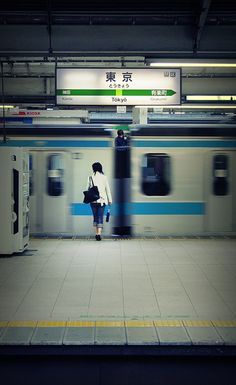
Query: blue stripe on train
x=24, y=119
x=56, y=143
x=168, y=208
x=147, y=208
x=107, y=143
x=185, y=143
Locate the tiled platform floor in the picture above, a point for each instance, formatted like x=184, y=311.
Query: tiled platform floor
x=165, y=290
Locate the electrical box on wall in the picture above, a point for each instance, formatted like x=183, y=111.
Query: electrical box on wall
x=14, y=200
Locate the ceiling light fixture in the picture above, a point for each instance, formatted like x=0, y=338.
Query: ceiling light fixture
x=229, y=98
x=194, y=106
x=167, y=63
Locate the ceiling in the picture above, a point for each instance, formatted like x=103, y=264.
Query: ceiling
x=170, y=12
x=38, y=35
x=191, y=27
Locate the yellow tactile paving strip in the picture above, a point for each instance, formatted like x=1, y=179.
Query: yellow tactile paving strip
x=225, y=324
x=79, y=324
x=197, y=323
x=3, y=324
x=109, y=324
x=128, y=323
x=24, y=324
x=139, y=324
x=168, y=323
x=51, y=324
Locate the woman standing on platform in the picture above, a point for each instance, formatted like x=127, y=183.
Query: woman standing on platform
x=98, y=207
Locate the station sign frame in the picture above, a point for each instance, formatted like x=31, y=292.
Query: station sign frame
x=118, y=86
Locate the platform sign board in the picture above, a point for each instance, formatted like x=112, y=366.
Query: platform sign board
x=118, y=86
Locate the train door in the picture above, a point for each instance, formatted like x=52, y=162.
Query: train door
x=49, y=192
x=219, y=210
x=82, y=167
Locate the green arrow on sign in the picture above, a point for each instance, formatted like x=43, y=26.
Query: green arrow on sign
x=155, y=92
x=116, y=92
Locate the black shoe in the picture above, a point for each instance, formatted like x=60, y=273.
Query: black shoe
x=98, y=237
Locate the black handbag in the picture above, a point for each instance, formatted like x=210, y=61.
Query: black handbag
x=92, y=194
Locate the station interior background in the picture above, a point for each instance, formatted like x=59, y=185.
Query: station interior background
x=193, y=280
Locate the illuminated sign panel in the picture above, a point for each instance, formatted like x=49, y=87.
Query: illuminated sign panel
x=116, y=86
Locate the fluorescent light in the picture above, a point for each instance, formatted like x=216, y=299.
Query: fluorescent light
x=1, y=106
x=211, y=97
x=166, y=63
x=209, y=106
x=195, y=106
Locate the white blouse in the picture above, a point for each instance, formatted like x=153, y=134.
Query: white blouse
x=100, y=180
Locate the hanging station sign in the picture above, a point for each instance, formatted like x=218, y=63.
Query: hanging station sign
x=118, y=86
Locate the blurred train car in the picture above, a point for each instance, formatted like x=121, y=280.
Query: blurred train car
x=183, y=185
x=58, y=177
x=163, y=183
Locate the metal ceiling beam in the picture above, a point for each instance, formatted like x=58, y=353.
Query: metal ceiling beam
x=202, y=20
x=49, y=28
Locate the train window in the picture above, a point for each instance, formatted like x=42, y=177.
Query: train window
x=220, y=174
x=31, y=183
x=156, y=174
x=55, y=177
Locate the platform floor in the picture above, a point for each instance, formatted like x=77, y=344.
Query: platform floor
x=120, y=291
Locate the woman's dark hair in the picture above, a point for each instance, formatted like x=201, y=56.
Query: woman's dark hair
x=120, y=132
x=97, y=167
